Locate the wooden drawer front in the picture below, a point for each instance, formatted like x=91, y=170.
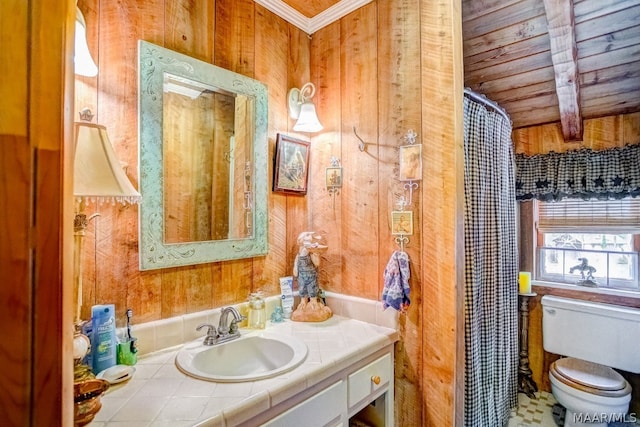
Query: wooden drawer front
x=323, y=409
x=363, y=382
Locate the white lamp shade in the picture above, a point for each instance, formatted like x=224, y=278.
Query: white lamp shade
x=308, y=119
x=83, y=62
x=98, y=175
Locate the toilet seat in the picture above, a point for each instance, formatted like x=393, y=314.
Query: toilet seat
x=590, y=377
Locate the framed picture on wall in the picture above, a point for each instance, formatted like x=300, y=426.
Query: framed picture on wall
x=333, y=177
x=291, y=165
x=410, y=162
x=402, y=223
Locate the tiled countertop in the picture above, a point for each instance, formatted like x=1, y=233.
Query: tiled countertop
x=160, y=395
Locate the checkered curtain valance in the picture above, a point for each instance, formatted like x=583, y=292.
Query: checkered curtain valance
x=582, y=174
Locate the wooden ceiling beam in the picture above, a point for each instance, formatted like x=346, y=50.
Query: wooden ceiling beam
x=564, y=55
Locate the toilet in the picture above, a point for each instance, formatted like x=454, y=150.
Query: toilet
x=594, y=338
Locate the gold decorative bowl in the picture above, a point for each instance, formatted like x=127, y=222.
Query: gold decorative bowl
x=86, y=399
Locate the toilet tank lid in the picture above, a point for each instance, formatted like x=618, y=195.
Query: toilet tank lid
x=611, y=310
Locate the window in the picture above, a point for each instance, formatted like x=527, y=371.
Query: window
x=590, y=243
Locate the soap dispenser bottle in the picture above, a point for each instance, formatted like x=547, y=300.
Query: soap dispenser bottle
x=257, y=317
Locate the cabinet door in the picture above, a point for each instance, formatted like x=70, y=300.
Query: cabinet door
x=325, y=409
x=369, y=379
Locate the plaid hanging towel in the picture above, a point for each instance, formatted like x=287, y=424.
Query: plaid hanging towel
x=396, y=282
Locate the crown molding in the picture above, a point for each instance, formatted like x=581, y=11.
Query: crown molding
x=322, y=19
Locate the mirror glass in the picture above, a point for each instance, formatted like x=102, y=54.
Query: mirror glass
x=203, y=169
x=206, y=160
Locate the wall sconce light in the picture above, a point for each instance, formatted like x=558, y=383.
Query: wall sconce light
x=302, y=109
x=84, y=63
x=98, y=177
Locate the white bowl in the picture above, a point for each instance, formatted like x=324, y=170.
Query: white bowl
x=251, y=357
x=581, y=402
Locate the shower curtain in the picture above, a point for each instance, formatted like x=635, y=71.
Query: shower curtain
x=491, y=264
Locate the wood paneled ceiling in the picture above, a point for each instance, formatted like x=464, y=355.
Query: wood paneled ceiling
x=549, y=61
x=543, y=61
x=310, y=8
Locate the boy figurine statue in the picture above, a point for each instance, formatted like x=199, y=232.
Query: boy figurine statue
x=305, y=269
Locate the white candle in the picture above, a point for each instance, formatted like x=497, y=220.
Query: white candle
x=524, y=281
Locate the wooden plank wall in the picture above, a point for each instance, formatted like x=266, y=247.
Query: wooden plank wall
x=36, y=213
x=599, y=134
x=443, y=230
x=366, y=68
x=223, y=32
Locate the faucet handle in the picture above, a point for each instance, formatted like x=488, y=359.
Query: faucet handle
x=233, y=325
x=210, y=338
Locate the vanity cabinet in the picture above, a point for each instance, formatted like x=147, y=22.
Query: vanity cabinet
x=362, y=393
x=347, y=380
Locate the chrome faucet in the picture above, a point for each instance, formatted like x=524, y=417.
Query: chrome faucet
x=229, y=330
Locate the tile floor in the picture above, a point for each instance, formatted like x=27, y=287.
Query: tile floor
x=544, y=412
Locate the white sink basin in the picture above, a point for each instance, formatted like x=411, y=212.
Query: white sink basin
x=251, y=357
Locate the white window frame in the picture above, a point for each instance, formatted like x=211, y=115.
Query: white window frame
x=577, y=216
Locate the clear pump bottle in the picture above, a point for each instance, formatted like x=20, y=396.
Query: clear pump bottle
x=257, y=317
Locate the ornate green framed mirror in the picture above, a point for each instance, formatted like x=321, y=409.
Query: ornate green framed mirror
x=203, y=161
